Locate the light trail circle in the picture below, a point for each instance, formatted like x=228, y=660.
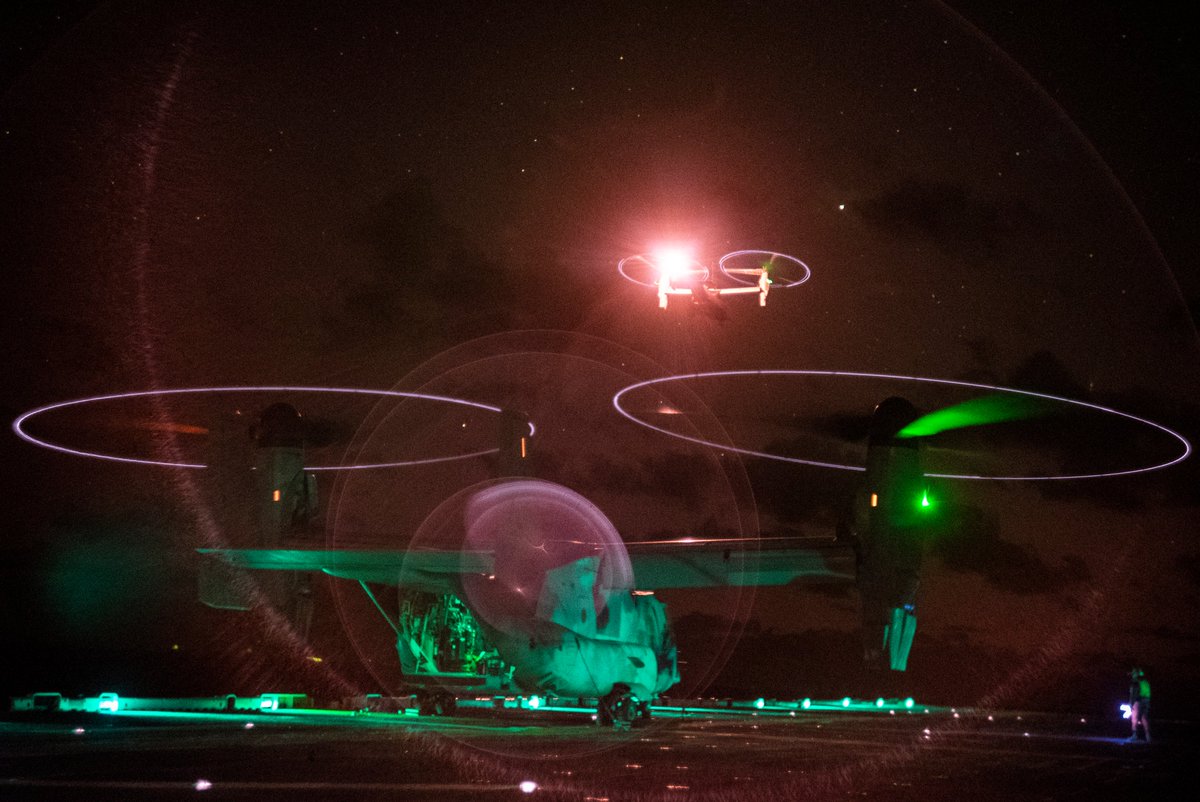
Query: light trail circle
x=697, y=272
x=1186, y=447
x=722, y=265
x=19, y=423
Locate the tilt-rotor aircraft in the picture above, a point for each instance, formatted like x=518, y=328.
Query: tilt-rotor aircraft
x=673, y=272
x=543, y=596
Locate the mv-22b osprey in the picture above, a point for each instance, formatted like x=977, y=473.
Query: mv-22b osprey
x=543, y=597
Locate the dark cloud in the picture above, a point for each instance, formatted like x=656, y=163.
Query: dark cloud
x=973, y=544
x=671, y=475
x=959, y=219
x=420, y=270
x=1044, y=372
x=797, y=494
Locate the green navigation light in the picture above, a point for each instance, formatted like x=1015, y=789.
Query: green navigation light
x=760, y=703
x=879, y=702
x=925, y=501
x=807, y=703
x=845, y=701
x=908, y=703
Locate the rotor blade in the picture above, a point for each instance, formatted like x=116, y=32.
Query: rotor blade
x=995, y=408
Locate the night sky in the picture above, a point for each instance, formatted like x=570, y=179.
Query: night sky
x=437, y=201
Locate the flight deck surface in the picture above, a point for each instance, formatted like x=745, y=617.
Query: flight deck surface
x=483, y=754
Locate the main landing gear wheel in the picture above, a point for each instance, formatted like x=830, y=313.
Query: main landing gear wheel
x=619, y=708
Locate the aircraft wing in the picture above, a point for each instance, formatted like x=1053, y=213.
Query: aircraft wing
x=656, y=565
x=434, y=571
x=739, y=562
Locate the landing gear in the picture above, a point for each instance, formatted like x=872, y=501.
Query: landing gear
x=620, y=709
x=438, y=703
x=643, y=711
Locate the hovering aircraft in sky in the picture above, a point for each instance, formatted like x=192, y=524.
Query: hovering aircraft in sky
x=541, y=595
x=672, y=271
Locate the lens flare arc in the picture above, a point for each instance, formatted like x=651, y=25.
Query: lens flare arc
x=18, y=425
x=1185, y=445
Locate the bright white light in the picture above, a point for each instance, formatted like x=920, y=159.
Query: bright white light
x=1126, y=711
x=674, y=262
x=528, y=786
x=203, y=785
x=535, y=702
x=760, y=703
